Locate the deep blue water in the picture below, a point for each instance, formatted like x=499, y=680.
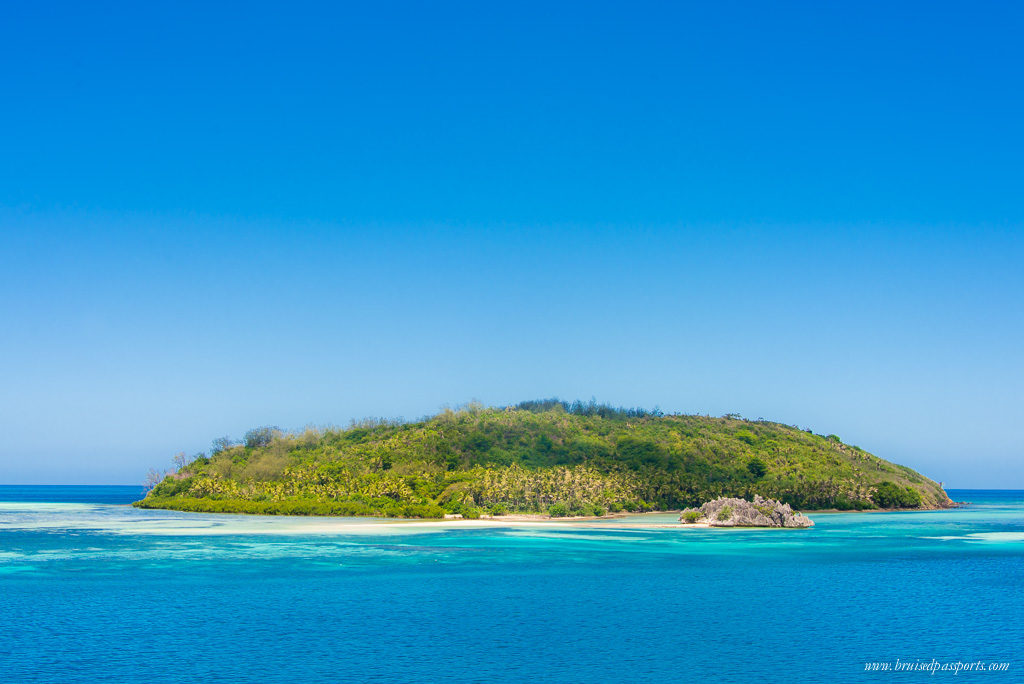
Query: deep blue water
x=91, y=589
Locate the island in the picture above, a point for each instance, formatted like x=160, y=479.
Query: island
x=545, y=457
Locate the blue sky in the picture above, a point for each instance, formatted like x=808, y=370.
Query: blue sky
x=219, y=217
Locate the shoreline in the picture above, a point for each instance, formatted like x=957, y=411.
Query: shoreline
x=290, y=525
x=540, y=517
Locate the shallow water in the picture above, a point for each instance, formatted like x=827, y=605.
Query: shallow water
x=93, y=589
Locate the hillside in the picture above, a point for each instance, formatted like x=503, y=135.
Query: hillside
x=540, y=456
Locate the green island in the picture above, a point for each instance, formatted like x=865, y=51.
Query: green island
x=540, y=457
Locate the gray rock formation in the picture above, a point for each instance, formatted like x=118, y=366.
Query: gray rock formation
x=760, y=512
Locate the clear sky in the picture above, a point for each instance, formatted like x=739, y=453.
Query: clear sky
x=214, y=217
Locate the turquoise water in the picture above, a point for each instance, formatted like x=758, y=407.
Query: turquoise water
x=91, y=589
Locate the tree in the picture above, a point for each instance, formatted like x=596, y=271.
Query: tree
x=892, y=495
x=260, y=437
x=747, y=436
x=153, y=478
x=180, y=460
x=757, y=468
x=221, y=444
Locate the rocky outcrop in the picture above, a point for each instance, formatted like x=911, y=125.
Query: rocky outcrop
x=761, y=512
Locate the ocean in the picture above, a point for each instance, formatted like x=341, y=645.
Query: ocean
x=94, y=590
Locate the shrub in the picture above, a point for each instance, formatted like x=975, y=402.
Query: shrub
x=172, y=487
x=558, y=510
x=725, y=513
x=265, y=467
x=422, y=511
x=690, y=517
x=430, y=511
x=746, y=436
x=260, y=437
x=844, y=504
x=757, y=467
x=499, y=509
x=599, y=511
x=892, y=495
x=912, y=499
x=615, y=507
x=638, y=452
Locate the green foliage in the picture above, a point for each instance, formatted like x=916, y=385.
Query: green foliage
x=265, y=467
x=842, y=503
x=171, y=486
x=578, y=457
x=746, y=436
x=891, y=495
x=641, y=451
x=558, y=510
x=301, y=506
x=757, y=468
x=725, y=513
x=690, y=517
x=589, y=410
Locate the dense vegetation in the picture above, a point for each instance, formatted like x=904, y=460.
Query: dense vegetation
x=540, y=456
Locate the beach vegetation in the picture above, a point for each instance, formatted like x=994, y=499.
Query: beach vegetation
x=892, y=495
x=558, y=510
